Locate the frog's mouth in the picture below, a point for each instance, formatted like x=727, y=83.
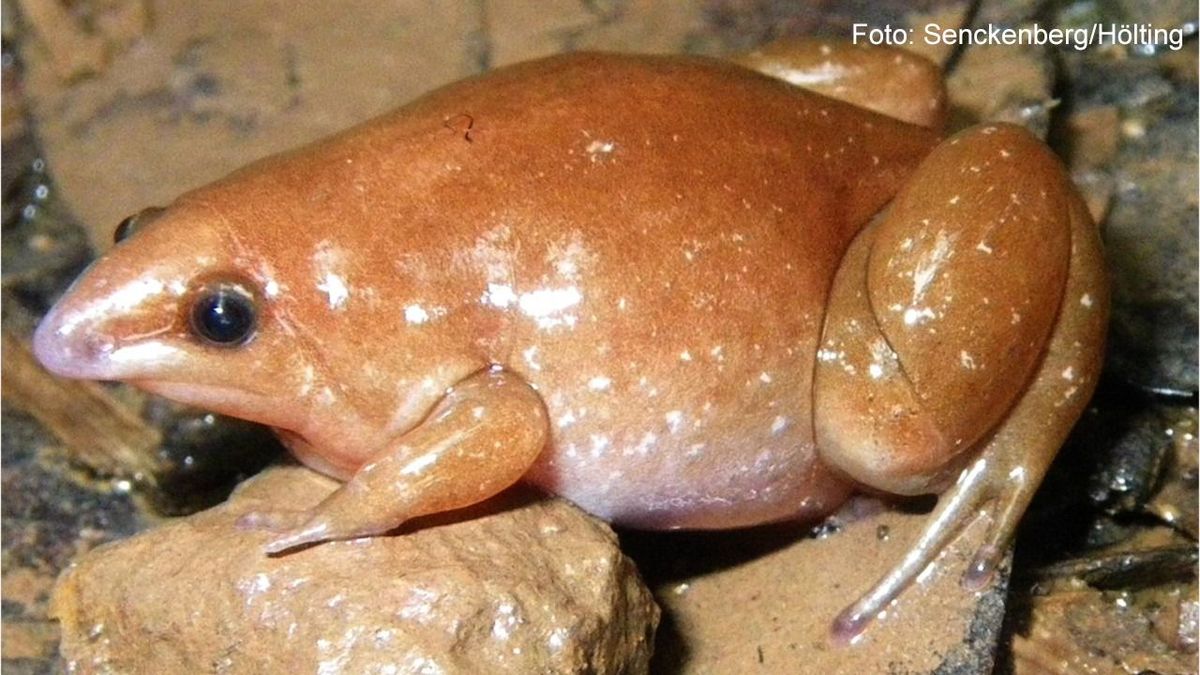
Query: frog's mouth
x=263, y=410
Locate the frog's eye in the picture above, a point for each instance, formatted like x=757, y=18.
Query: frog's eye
x=224, y=315
x=131, y=224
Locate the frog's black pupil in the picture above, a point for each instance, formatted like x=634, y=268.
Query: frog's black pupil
x=224, y=316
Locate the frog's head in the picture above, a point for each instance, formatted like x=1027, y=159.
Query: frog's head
x=194, y=307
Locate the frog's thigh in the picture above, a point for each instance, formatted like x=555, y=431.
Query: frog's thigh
x=480, y=439
x=887, y=80
x=941, y=310
x=1010, y=465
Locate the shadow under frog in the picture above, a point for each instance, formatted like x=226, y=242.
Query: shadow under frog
x=680, y=292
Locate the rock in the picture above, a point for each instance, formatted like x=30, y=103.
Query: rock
x=522, y=585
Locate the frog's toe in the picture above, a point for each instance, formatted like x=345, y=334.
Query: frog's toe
x=954, y=511
x=313, y=531
x=1008, y=494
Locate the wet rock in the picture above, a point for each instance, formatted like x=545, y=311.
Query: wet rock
x=1149, y=233
x=521, y=585
x=1082, y=630
x=1175, y=502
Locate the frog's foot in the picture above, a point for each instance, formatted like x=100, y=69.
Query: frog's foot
x=480, y=439
x=988, y=487
x=292, y=529
x=963, y=337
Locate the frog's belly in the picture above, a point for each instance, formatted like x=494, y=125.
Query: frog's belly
x=673, y=468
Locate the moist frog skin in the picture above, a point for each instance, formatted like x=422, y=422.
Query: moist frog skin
x=680, y=292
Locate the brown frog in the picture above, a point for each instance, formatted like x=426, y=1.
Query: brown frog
x=677, y=291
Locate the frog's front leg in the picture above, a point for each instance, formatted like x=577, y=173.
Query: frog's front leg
x=963, y=338
x=481, y=438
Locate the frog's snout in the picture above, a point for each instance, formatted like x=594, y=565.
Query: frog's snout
x=109, y=327
x=66, y=346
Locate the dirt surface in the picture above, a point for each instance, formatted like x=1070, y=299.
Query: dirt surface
x=761, y=602
x=515, y=586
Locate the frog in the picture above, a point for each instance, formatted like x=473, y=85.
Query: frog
x=683, y=293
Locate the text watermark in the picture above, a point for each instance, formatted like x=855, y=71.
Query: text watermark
x=1078, y=38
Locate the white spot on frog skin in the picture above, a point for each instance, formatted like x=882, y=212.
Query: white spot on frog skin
x=491, y=253
x=1067, y=396
x=569, y=256
x=544, y=303
x=883, y=359
x=829, y=355
x=929, y=264
x=599, y=383
x=982, y=246
x=335, y=288
x=599, y=443
x=966, y=360
x=415, y=314
x=271, y=289
x=597, y=149
x=566, y=420
x=647, y=443
x=913, y=316
x=498, y=296
x=530, y=356
x=1086, y=300
x=954, y=200
x=673, y=418
x=778, y=424
x=1016, y=318
x=685, y=355
x=1068, y=373
x=327, y=261
x=765, y=378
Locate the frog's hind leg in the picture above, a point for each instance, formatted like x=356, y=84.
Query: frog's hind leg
x=480, y=439
x=888, y=80
x=963, y=337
